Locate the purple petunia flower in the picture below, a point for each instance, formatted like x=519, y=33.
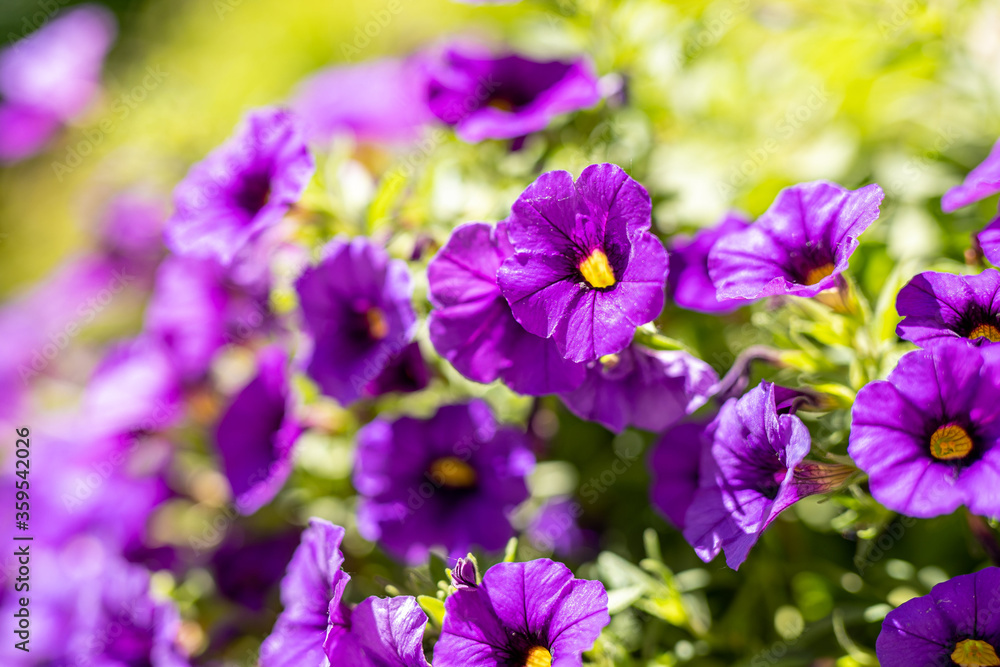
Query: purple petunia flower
x=753, y=470
x=356, y=306
x=980, y=183
x=929, y=435
x=449, y=481
x=989, y=241
x=643, y=388
x=472, y=326
x=957, y=623
x=381, y=100
x=555, y=527
x=798, y=246
x=675, y=469
x=318, y=628
x=691, y=286
x=51, y=77
x=587, y=272
x=941, y=306
x=533, y=613
x=257, y=432
x=241, y=189
x=311, y=593
x=247, y=567
x=507, y=96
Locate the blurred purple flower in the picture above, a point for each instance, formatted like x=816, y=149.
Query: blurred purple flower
x=472, y=326
x=51, y=77
x=381, y=100
x=406, y=372
x=642, y=388
x=257, y=432
x=507, y=96
x=356, y=306
x=957, y=623
x=690, y=284
x=941, y=306
x=241, y=189
x=748, y=476
x=554, y=528
x=533, y=613
x=586, y=272
x=798, y=246
x=449, y=481
x=131, y=231
x=675, y=469
x=929, y=435
x=980, y=183
x=247, y=568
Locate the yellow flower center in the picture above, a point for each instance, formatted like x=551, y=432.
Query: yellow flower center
x=975, y=653
x=820, y=272
x=501, y=104
x=538, y=657
x=950, y=442
x=987, y=331
x=378, y=328
x=453, y=472
x=597, y=271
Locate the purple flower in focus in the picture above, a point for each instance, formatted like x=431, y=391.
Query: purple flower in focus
x=675, y=469
x=472, y=326
x=533, y=613
x=311, y=593
x=356, y=306
x=642, y=388
x=748, y=476
x=955, y=624
x=941, y=307
x=381, y=100
x=317, y=627
x=464, y=575
x=691, y=286
x=508, y=96
x=449, y=481
x=980, y=183
x=385, y=632
x=51, y=77
x=929, y=435
x=586, y=272
x=257, y=432
x=798, y=246
x=241, y=189
x=989, y=241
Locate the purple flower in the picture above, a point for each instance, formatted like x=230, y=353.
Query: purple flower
x=464, y=575
x=247, y=568
x=257, y=432
x=555, y=527
x=356, y=306
x=586, y=272
x=51, y=77
x=957, y=623
x=472, y=326
x=89, y=607
x=311, y=593
x=747, y=477
x=533, y=613
x=642, y=388
x=131, y=231
x=941, y=307
x=929, y=435
x=980, y=183
x=381, y=100
x=385, y=632
x=241, y=189
x=449, y=481
x=317, y=628
x=508, y=96
x=798, y=246
x=691, y=286
x=675, y=469
x=406, y=372
x=989, y=240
